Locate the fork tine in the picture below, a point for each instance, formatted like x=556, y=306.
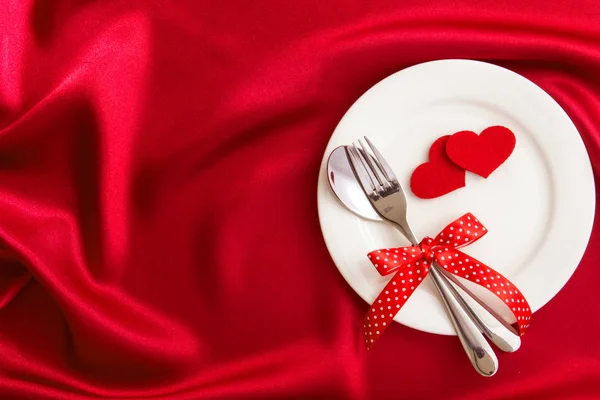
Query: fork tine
x=387, y=170
x=374, y=160
x=366, y=156
x=360, y=171
x=363, y=160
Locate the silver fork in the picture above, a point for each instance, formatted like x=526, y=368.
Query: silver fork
x=387, y=197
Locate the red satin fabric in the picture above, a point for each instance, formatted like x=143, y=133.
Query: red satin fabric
x=158, y=223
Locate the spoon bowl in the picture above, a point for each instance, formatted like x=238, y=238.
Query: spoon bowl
x=345, y=186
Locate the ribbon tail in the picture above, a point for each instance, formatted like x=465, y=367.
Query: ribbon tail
x=471, y=269
x=391, y=299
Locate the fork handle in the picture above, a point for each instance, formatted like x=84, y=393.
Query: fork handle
x=478, y=350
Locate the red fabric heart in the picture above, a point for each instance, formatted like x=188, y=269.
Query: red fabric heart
x=484, y=153
x=438, y=176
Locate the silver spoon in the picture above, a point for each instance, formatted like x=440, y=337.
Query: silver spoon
x=348, y=191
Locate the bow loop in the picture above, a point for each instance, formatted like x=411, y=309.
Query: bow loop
x=461, y=232
x=387, y=261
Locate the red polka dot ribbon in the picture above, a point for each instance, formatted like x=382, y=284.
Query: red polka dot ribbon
x=411, y=265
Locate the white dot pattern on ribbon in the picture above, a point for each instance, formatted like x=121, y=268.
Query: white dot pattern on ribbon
x=392, y=298
x=411, y=266
x=477, y=272
x=388, y=266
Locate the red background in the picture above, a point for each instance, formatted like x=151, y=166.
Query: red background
x=158, y=173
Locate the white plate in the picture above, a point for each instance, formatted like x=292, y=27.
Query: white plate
x=538, y=206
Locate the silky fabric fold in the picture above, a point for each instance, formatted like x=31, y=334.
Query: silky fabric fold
x=159, y=236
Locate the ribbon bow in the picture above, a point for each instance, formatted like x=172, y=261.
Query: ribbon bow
x=411, y=265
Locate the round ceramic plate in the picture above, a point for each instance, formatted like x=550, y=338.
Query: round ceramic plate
x=538, y=206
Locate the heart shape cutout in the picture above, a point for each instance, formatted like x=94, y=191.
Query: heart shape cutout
x=481, y=154
x=439, y=176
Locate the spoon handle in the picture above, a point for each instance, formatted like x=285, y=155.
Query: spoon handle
x=478, y=350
